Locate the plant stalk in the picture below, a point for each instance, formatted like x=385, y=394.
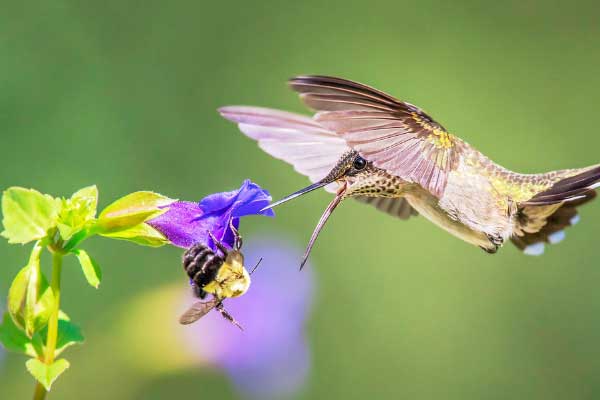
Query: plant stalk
x=40, y=391
x=53, y=321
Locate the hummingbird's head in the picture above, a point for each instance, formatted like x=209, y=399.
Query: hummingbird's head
x=347, y=172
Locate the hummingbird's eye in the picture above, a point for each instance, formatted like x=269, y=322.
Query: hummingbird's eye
x=359, y=163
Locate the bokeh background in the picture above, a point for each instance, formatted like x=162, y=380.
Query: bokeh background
x=123, y=94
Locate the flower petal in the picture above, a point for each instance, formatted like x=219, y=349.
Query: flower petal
x=248, y=199
x=186, y=223
x=182, y=225
x=213, y=203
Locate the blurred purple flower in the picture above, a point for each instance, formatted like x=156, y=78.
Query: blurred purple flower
x=186, y=223
x=270, y=358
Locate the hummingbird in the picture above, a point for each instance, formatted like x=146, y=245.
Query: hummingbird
x=365, y=144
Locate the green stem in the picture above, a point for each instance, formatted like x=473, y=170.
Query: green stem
x=40, y=391
x=53, y=321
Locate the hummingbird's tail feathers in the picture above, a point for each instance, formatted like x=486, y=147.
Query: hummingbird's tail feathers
x=543, y=218
x=297, y=139
x=568, y=189
x=541, y=224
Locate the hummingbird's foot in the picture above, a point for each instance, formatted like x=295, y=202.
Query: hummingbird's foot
x=496, y=241
x=489, y=251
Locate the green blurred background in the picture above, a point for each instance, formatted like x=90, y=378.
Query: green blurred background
x=123, y=94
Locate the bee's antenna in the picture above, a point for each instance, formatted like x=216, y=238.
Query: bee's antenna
x=256, y=266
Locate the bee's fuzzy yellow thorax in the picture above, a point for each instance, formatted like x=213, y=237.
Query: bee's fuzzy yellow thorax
x=232, y=280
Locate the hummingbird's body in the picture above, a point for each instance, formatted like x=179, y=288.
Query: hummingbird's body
x=391, y=154
x=479, y=204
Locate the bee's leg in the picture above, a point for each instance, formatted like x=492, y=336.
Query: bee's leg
x=218, y=243
x=228, y=316
x=237, y=242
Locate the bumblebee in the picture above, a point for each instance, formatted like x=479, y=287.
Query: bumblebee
x=221, y=276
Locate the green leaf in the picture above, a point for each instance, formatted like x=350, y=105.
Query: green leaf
x=141, y=234
x=68, y=335
x=30, y=299
x=37, y=313
x=131, y=210
x=28, y=214
x=78, y=237
x=16, y=296
x=39, y=300
x=38, y=344
x=14, y=339
x=78, y=212
x=88, y=198
x=124, y=219
x=46, y=374
x=63, y=316
x=91, y=269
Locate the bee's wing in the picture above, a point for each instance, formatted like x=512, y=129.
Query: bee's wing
x=197, y=311
x=296, y=139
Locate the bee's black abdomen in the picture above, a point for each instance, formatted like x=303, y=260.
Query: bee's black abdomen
x=195, y=263
x=201, y=265
x=194, y=256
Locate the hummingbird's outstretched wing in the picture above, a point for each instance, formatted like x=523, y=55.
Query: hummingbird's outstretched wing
x=309, y=147
x=396, y=136
x=293, y=138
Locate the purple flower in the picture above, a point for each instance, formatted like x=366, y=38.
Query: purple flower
x=186, y=223
x=270, y=358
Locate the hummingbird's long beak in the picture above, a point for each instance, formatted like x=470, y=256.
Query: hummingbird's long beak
x=300, y=192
